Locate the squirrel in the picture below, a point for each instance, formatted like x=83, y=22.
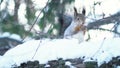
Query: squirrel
x=77, y=28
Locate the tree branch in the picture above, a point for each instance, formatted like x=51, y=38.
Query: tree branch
x=108, y=30
x=107, y=20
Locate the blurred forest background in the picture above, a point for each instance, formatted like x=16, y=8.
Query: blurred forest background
x=49, y=18
x=21, y=16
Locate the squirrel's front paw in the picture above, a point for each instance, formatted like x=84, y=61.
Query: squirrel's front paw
x=83, y=28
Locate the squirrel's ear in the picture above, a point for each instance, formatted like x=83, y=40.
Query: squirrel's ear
x=83, y=11
x=75, y=11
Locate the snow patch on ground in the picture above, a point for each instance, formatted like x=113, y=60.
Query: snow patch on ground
x=101, y=51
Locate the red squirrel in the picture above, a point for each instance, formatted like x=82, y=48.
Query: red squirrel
x=77, y=28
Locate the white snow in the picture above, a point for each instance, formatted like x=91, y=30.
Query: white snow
x=118, y=28
x=118, y=66
x=21, y=14
x=5, y=34
x=69, y=64
x=13, y=36
x=100, y=50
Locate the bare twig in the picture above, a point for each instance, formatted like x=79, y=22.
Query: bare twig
x=103, y=40
x=108, y=30
x=99, y=47
x=111, y=30
x=36, y=50
x=32, y=27
x=88, y=36
x=35, y=21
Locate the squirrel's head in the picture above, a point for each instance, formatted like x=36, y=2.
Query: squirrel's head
x=79, y=18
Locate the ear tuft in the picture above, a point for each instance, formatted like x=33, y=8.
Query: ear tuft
x=75, y=11
x=83, y=11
